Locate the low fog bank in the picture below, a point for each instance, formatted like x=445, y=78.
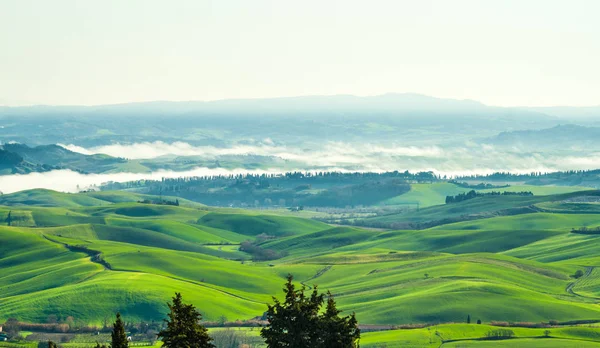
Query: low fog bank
x=467, y=159
x=334, y=152
x=70, y=181
x=457, y=159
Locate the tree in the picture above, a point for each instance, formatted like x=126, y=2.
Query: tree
x=469, y=319
x=547, y=333
x=336, y=331
x=479, y=321
x=296, y=323
x=52, y=344
x=100, y=346
x=9, y=218
x=293, y=323
x=500, y=334
x=183, y=327
x=118, y=335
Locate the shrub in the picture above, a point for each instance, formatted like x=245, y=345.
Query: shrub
x=500, y=334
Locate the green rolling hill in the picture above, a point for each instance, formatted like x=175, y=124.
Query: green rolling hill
x=495, y=258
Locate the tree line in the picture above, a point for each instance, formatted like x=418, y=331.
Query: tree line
x=291, y=179
x=299, y=321
x=586, y=230
x=558, y=175
x=474, y=194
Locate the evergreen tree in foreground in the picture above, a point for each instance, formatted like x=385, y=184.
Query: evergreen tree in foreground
x=183, y=327
x=50, y=343
x=119, y=337
x=338, y=331
x=296, y=323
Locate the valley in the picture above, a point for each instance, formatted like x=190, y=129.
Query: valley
x=510, y=259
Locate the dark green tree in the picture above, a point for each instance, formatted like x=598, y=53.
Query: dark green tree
x=336, y=331
x=52, y=344
x=293, y=323
x=183, y=327
x=118, y=335
x=296, y=323
x=100, y=346
x=9, y=221
x=468, y=318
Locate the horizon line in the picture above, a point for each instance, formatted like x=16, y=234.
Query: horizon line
x=30, y=105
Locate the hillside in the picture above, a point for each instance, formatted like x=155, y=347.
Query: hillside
x=18, y=158
x=49, y=198
x=13, y=163
x=562, y=136
x=510, y=268
x=419, y=118
x=475, y=209
x=60, y=157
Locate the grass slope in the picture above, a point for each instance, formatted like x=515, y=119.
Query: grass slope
x=511, y=268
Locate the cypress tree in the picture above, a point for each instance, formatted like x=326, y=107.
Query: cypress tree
x=296, y=323
x=336, y=331
x=183, y=327
x=293, y=323
x=119, y=337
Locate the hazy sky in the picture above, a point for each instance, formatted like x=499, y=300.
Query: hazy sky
x=504, y=52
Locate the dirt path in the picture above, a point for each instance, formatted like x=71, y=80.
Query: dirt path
x=317, y=275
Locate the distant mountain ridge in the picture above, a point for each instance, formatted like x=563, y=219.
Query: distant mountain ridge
x=558, y=136
x=571, y=112
x=291, y=120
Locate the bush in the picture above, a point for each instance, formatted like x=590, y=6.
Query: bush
x=500, y=334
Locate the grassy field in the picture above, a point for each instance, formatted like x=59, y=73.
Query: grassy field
x=427, y=195
x=498, y=258
x=463, y=335
x=475, y=209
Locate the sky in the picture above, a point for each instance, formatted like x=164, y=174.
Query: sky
x=504, y=52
